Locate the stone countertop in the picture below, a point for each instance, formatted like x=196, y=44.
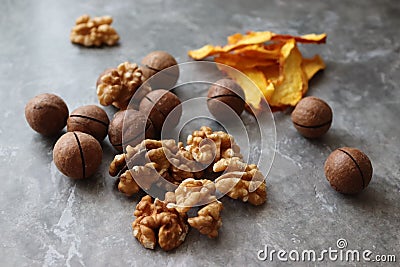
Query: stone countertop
x=48, y=219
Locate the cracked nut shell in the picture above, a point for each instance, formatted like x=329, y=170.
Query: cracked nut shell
x=77, y=155
x=47, y=114
x=158, y=105
x=89, y=119
x=129, y=127
x=312, y=117
x=156, y=62
x=348, y=170
x=223, y=97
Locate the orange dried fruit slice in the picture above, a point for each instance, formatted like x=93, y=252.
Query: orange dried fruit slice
x=242, y=62
x=312, y=65
x=253, y=95
x=294, y=82
x=307, y=39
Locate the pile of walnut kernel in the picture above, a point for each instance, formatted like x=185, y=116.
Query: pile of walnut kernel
x=186, y=174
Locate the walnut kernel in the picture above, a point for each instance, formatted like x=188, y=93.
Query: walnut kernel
x=208, y=219
x=191, y=193
x=156, y=223
x=94, y=32
x=117, y=86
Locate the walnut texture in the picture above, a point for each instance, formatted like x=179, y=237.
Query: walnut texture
x=207, y=146
x=191, y=193
x=127, y=184
x=95, y=31
x=156, y=223
x=208, y=219
x=150, y=160
x=117, y=86
x=117, y=164
x=246, y=184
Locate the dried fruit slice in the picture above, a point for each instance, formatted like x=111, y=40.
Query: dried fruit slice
x=312, y=65
x=248, y=39
x=294, y=82
x=243, y=40
x=242, y=62
x=253, y=96
x=233, y=39
x=271, y=73
x=307, y=39
x=205, y=51
x=271, y=51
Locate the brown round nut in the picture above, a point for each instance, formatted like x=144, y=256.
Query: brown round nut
x=89, y=119
x=157, y=61
x=129, y=127
x=224, y=96
x=158, y=105
x=348, y=170
x=47, y=114
x=77, y=155
x=312, y=117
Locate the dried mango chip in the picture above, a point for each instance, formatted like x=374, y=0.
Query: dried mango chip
x=259, y=79
x=307, y=39
x=312, y=65
x=271, y=73
x=260, y=51
x=241, y=62
x=205, y=51
x=272, y=61
x=294, y=83
x=233, y=39
x=248, y=39
x=253, y=95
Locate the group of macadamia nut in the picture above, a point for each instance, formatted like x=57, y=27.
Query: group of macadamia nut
x=192, y=176
x=78, y=153
x=347, y=169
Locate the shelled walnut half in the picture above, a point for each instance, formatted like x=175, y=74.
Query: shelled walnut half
x=156, y=223
x=207, y=146
x=241, y=181
x=117, y=86
x=191, y=193
x=208, y=219
x=95, y=31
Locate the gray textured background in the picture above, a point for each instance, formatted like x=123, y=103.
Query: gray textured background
x=47, y=219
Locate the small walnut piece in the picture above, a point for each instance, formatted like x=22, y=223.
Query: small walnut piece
x=155, y=222
x=117, y=164
x=208, y=220
x=207, y=146
x=127, y=184
x=229, y=165
x=117, y=86
x=191, y=193
x=241, y=181
x=94, y=31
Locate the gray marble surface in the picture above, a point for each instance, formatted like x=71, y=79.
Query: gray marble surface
x=48, y=219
